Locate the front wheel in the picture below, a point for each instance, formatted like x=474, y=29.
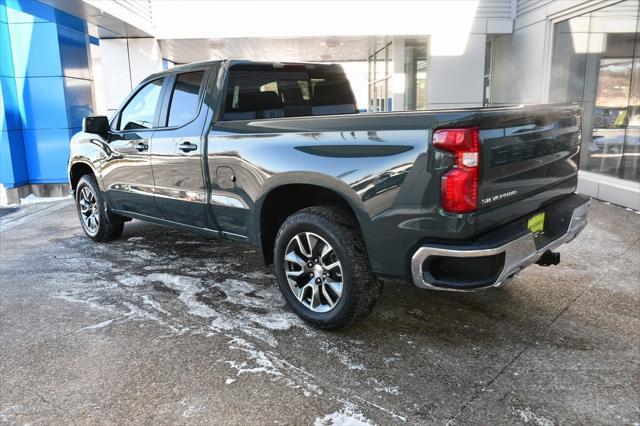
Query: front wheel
x=322, y=267
x=96, y=221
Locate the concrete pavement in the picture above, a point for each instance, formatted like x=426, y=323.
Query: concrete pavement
x=161, y=326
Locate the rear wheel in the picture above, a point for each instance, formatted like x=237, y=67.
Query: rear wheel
x=322, y=267
x=96, y=221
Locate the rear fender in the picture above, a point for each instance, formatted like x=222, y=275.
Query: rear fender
x=307, y=178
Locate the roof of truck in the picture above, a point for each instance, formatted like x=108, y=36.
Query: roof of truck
x=232, y=62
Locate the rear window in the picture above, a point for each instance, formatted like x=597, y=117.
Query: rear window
x=261, y=91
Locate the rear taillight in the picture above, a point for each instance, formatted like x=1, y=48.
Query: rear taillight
x=459, y=191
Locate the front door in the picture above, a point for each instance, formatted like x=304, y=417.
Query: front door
x=126, y=171
x=177, y=150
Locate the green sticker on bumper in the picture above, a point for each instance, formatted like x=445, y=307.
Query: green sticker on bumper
x=536, y=223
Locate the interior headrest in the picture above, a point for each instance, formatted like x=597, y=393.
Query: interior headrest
x=268, y=100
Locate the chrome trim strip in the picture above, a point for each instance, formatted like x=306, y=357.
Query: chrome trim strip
x=234, y=236
x=133, y=188
x=519, y=253
x=179, y=194
x=228, y=200
x=168, y=193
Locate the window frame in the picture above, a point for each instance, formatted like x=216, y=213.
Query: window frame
x=163, y=116
x=118, y=116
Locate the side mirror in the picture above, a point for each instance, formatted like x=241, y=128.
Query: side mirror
x=98, y=124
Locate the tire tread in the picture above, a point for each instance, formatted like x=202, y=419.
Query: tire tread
x=343, y=226
x=110, y=226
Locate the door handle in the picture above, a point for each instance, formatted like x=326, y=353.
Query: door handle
x=141, y=146
x=188, y=146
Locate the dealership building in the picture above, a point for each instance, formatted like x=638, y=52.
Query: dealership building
x=61, y=60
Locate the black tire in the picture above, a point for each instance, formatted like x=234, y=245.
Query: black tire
x=360, y=288
x=109, y=226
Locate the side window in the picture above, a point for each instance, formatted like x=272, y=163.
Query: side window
x=259, y=91
x=332, y=95
x=185, y=98
x=141, y=109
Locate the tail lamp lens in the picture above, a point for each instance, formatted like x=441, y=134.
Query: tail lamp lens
x=459, y=188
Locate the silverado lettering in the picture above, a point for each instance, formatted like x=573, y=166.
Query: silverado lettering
x=531, y=149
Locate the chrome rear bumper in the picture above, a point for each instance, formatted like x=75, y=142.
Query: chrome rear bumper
x=519, y=253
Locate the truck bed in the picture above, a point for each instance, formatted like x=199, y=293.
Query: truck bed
x=528, y=159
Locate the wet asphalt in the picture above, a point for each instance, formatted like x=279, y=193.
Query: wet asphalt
x=164, y=327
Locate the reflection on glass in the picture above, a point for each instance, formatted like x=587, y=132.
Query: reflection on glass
x=631, y=157
x=141, y=109
x=610, y=115
x=596, y=62
x=184, y=99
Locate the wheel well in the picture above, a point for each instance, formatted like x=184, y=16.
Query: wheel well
x=283, y=201
x=77, y=171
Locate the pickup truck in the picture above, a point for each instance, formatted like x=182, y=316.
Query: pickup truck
x=277, y=155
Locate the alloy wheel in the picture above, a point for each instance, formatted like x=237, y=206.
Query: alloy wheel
x=89, y=211
x=313, y=271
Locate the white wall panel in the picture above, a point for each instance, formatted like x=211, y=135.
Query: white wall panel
x=494, y=9
x=145, y=58
x=457, y=80
x=126, y=62
x=528, y=56
x=519, y=66
x=115, y=71
x=134, y=12
x=197, y=19
x=503, y=70
x=525, y=6
x=504, y=26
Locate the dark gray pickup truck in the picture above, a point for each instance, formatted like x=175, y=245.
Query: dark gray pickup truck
x=276, y=155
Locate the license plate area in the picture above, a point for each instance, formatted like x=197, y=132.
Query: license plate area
x=536, y=224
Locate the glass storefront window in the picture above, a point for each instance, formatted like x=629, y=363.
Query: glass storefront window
x=415, y=71
x=380, y=71
x=488, y=65
x=381, y=63
x=631, y=157
x=596, y=61
x=412, y=80
x=610, y=115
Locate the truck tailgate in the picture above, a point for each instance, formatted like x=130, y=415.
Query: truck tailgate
x=528, y=161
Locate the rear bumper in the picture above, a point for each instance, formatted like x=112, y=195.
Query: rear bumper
x=505, y=260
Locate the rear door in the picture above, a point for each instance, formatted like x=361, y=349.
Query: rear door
x=127, y=170
x=177, y=150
